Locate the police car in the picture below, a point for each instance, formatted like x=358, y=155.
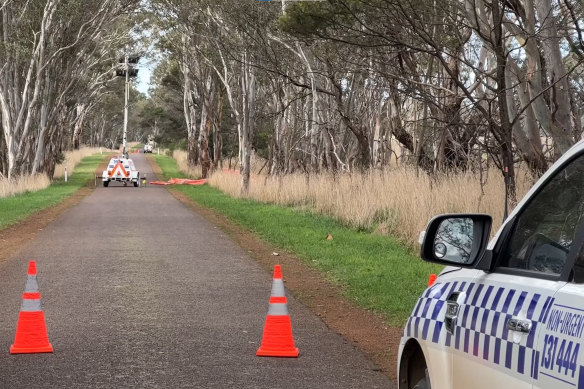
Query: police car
x=121, y=169
x=508, y=313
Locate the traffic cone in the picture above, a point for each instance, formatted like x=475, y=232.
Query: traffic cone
x=431, y=279
x=277, y=340
x=31, y=331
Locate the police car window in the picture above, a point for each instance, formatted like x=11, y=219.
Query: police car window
x=545, y=228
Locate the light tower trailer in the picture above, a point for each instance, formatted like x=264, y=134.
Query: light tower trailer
x=121, y=169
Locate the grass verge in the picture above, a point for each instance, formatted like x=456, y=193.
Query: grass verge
x=16, y=208
x=377, y=272
x=168, y=166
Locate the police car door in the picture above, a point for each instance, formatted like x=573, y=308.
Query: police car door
x=559, y=342
x=560, y=348
x=523, y=320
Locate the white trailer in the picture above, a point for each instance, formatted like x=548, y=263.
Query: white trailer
x=121, y=169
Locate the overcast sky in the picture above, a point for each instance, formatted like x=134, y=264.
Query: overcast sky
x=143, y=81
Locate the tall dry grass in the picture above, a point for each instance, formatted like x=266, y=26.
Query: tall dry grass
x=399, y=202
x=23, y=184
x=257, y=164
x=180, y=156
x=41, y=181
x=72, y=159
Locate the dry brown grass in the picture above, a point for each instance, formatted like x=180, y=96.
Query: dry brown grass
x=72, y=158
x=41, y=181
x=399, y=202
x=258, y=164
x=180, y=156
x=23, y=184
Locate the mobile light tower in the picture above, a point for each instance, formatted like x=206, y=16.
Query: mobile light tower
x=128, y=69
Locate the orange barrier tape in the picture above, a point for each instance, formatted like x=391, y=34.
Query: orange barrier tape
x=180, y=181
x=159, y=183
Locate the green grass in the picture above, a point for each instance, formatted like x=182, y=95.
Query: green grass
x=16, y=208
x=168, y=166
x=377, y=272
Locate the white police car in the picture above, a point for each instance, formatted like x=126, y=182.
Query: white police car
x=508, y=313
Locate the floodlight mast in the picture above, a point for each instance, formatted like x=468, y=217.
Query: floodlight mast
x=126, y=98
x=128, y=70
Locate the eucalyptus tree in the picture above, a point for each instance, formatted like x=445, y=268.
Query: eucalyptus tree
x=373, y=45
x=339, y=81
x=219, y=57
x=50, y=50
x=185, y=38
x=164, y=113
x=478, y=73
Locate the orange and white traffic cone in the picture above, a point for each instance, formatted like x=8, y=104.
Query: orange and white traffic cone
x=277, y=340
x=31, y=330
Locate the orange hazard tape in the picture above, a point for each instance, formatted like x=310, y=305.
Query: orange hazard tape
x=180, y=181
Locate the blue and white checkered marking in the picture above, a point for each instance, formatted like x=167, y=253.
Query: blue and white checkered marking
x=481, y=328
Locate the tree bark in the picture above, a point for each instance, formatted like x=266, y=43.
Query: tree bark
x=503, y=131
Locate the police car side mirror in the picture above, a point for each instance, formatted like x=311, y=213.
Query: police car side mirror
x=456, y=239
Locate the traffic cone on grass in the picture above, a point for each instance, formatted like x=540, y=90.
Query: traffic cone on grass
x=277, y=340
x=31, y=330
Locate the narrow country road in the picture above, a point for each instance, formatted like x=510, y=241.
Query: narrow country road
x=139, y=291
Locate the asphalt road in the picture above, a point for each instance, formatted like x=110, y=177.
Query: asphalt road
x=141, y=292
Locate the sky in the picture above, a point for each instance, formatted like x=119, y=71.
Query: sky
x=148, y=62
x=143, y=81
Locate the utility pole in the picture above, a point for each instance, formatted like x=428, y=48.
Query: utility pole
x=128, y=70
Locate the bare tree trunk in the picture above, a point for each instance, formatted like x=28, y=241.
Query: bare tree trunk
x=314, y=126
x=503, y=131
x=276, y=144
x=43, y=128
x=246, y=127
x=208, y=116
x=80, y=110
x=525, y=131
x=189, y=108
x=562, y=125
x=217, y=137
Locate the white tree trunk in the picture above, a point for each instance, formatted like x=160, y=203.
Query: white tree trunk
x=248, y=91
x=562, y=125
